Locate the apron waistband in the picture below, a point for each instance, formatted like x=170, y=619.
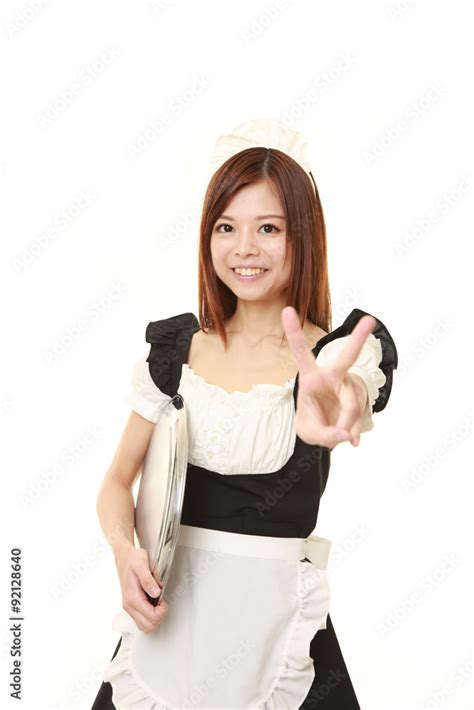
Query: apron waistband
x=293, y=549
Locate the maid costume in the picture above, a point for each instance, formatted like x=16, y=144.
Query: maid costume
x=248, y=624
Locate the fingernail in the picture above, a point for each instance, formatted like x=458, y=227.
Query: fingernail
x=154, y=590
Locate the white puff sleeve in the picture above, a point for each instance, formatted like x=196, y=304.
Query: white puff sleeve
x=145, y=397
x=366, y=366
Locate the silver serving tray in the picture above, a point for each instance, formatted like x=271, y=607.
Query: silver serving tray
x=161, y=491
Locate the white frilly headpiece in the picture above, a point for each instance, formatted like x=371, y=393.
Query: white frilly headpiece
x=265, y=133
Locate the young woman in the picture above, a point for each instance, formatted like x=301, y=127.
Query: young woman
x=270, y=391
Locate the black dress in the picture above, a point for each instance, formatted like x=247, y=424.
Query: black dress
x=237, y=503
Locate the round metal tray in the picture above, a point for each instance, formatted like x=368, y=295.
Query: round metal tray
x=161, y=491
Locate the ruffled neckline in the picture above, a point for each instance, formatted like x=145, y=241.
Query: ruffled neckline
x=266, y=391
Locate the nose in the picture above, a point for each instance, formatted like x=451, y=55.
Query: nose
x=246, y=242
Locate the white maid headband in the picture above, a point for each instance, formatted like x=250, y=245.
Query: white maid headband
x=265, y=133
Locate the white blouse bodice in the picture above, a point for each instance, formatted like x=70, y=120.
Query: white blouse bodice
x=263, y=417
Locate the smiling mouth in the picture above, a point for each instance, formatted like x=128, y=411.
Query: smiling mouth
x=249, y=277
x=250, y=268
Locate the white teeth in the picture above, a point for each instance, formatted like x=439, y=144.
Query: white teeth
x=249, y=272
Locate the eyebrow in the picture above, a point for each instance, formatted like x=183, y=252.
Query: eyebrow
x=262, y=216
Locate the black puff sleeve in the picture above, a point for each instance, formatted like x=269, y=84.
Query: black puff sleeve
x=389, y=360
x=167, y=338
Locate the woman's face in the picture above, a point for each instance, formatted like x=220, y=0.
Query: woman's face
x=251, y=232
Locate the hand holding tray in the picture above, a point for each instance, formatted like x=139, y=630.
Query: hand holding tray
x=161, y=491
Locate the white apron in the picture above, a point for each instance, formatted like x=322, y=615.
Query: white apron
x=243, y=610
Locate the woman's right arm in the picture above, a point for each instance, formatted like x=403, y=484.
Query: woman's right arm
x=116, y=512
x=115, y=504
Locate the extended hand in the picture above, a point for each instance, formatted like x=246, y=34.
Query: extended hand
x=329, y=404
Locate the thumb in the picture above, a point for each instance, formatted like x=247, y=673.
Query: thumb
x=148, y=582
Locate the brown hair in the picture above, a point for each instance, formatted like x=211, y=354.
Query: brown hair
x=308, y=286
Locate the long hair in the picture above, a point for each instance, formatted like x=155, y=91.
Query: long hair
x=308, y=286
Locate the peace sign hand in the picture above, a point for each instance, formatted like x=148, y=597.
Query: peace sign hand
x=330, y=401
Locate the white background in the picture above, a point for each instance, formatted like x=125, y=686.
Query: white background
x=110, y=113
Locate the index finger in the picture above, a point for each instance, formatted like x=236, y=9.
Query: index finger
x=350, y=352
x=295, y=336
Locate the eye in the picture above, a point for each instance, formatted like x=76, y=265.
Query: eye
x=225, y=231
x=218, y=228
x=269, y=225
